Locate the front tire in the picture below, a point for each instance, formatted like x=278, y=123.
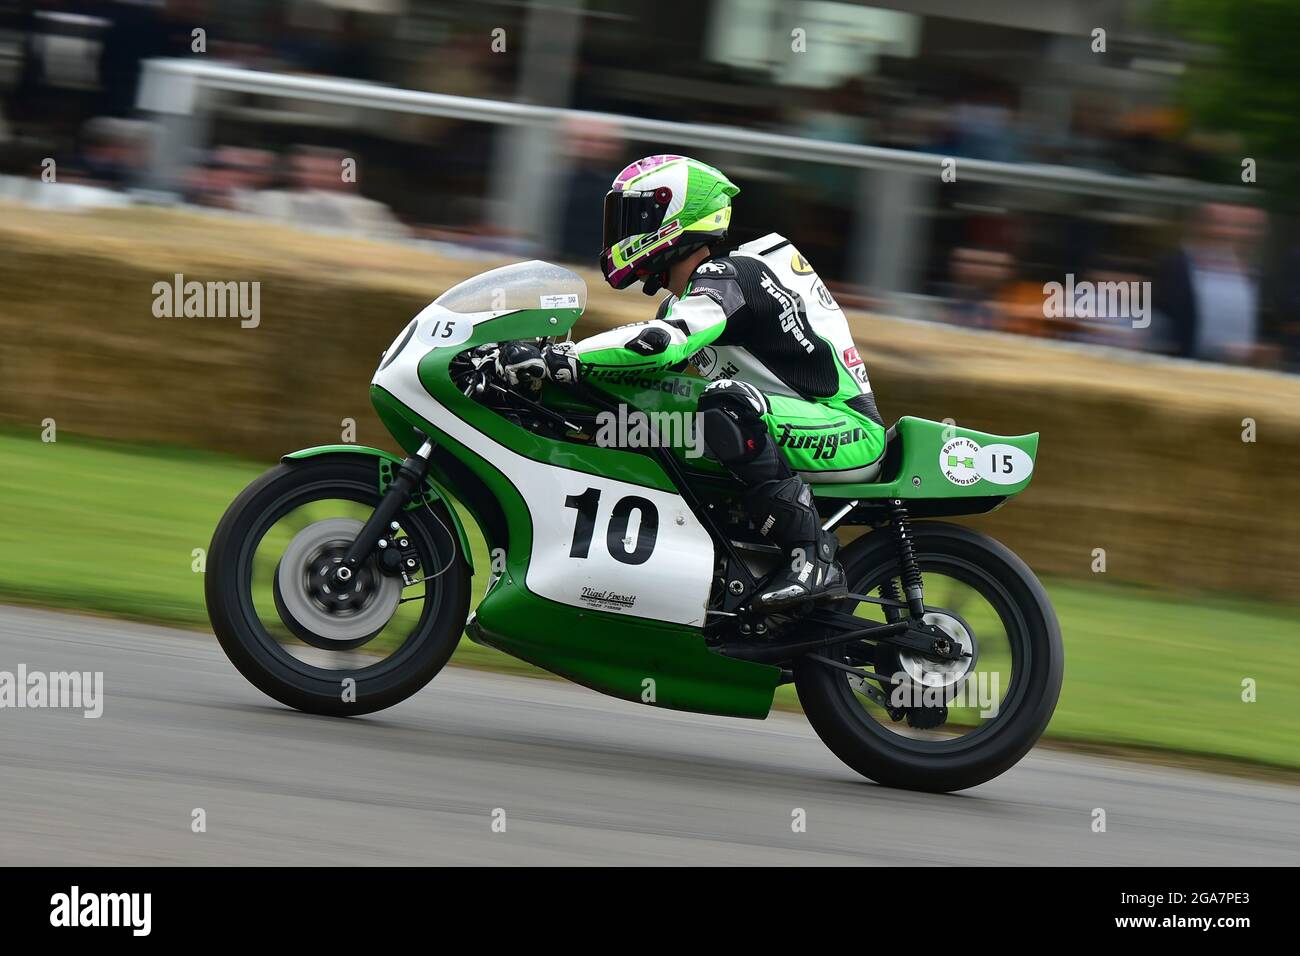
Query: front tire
x=897, y=760
x=270, y=663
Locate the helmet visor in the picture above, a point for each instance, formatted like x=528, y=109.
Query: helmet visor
x=633, y=213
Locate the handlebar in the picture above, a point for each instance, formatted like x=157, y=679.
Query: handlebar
x=484, y=376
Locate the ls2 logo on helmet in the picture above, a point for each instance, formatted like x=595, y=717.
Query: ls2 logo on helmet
x=964, y=462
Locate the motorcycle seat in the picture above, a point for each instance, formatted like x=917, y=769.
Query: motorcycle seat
x=866, y=473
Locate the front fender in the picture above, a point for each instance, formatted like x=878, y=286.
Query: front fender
x=388, y=463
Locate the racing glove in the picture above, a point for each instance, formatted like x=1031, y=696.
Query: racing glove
x=562, y=363
x=520, y=363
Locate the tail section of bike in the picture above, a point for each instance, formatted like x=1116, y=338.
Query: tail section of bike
x=938, y=468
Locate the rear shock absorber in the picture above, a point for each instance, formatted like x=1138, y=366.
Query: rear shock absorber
x=909, y=570
x=889, y=591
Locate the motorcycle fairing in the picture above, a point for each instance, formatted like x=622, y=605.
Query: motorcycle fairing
x=650, y=650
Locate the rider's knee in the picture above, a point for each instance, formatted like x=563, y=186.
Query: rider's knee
x=724, y=439
x=731, y=414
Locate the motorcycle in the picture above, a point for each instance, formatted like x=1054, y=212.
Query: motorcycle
x=338, y=582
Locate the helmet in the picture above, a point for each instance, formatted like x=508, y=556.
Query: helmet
x=660, y=209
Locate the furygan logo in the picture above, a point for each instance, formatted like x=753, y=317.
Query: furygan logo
x=792, y=319
x=823, y=444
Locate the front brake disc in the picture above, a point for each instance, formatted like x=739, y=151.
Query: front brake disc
x=323, y=616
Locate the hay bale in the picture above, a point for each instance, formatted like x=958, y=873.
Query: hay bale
x=1141, y=458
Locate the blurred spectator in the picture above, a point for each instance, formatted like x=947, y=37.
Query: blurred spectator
x=1207, y=292
x=320, y=197
x=596, y=149
x=1115, y=328
x=1020, y=308
x=917, y=124
x=1090, y=141
x=112, y=152
x=136, y=32
x=983, y=127
x=828, y=193
x=230, y=178
x=316, y=39
x=977, y=280
x=1288, y=300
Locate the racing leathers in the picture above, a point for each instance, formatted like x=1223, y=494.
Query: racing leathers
x=789, y=400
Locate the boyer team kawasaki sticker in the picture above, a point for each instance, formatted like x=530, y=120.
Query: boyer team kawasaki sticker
x=964, y=462
x=957, y=461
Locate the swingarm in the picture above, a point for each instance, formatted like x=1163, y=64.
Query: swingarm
x=839, y=628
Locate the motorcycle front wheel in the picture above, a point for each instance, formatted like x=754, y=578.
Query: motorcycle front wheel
x=322, y=650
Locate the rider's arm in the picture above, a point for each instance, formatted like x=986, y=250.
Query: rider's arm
x=680, y=330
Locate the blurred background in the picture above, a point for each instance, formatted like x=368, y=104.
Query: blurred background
x=938, y=161
x=1088, y=127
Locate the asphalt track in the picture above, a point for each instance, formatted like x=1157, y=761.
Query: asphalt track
x=581, y=779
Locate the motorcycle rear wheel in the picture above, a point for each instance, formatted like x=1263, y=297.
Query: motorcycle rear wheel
x=926, y=761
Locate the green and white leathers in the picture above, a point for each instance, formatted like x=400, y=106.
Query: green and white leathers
x=763, y=316
x=340, y=581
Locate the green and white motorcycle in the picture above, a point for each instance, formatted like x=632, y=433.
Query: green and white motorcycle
x=339, y=581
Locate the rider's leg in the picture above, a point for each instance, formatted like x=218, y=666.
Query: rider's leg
x=736, y=432
x=825, y=442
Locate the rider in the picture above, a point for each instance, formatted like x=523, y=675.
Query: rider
x=789, y=401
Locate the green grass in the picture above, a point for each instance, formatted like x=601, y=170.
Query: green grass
x=99, y=527
x=105, y=527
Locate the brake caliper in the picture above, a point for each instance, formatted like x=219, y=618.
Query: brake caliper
x=398, y=556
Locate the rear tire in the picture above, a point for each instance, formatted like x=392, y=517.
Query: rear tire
x=852, y=735
x=259, y=657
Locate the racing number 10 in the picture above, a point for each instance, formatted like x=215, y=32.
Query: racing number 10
x=586, y=504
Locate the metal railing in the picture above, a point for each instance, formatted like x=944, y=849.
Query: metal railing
x=181, y=95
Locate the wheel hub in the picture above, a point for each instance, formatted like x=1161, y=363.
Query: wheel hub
x=353, y=592
x=929, y=672
x=314, y=604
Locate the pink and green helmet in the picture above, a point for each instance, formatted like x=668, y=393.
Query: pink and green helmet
x=659, y=209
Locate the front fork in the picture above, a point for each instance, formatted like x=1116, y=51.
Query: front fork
x=408, y=479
